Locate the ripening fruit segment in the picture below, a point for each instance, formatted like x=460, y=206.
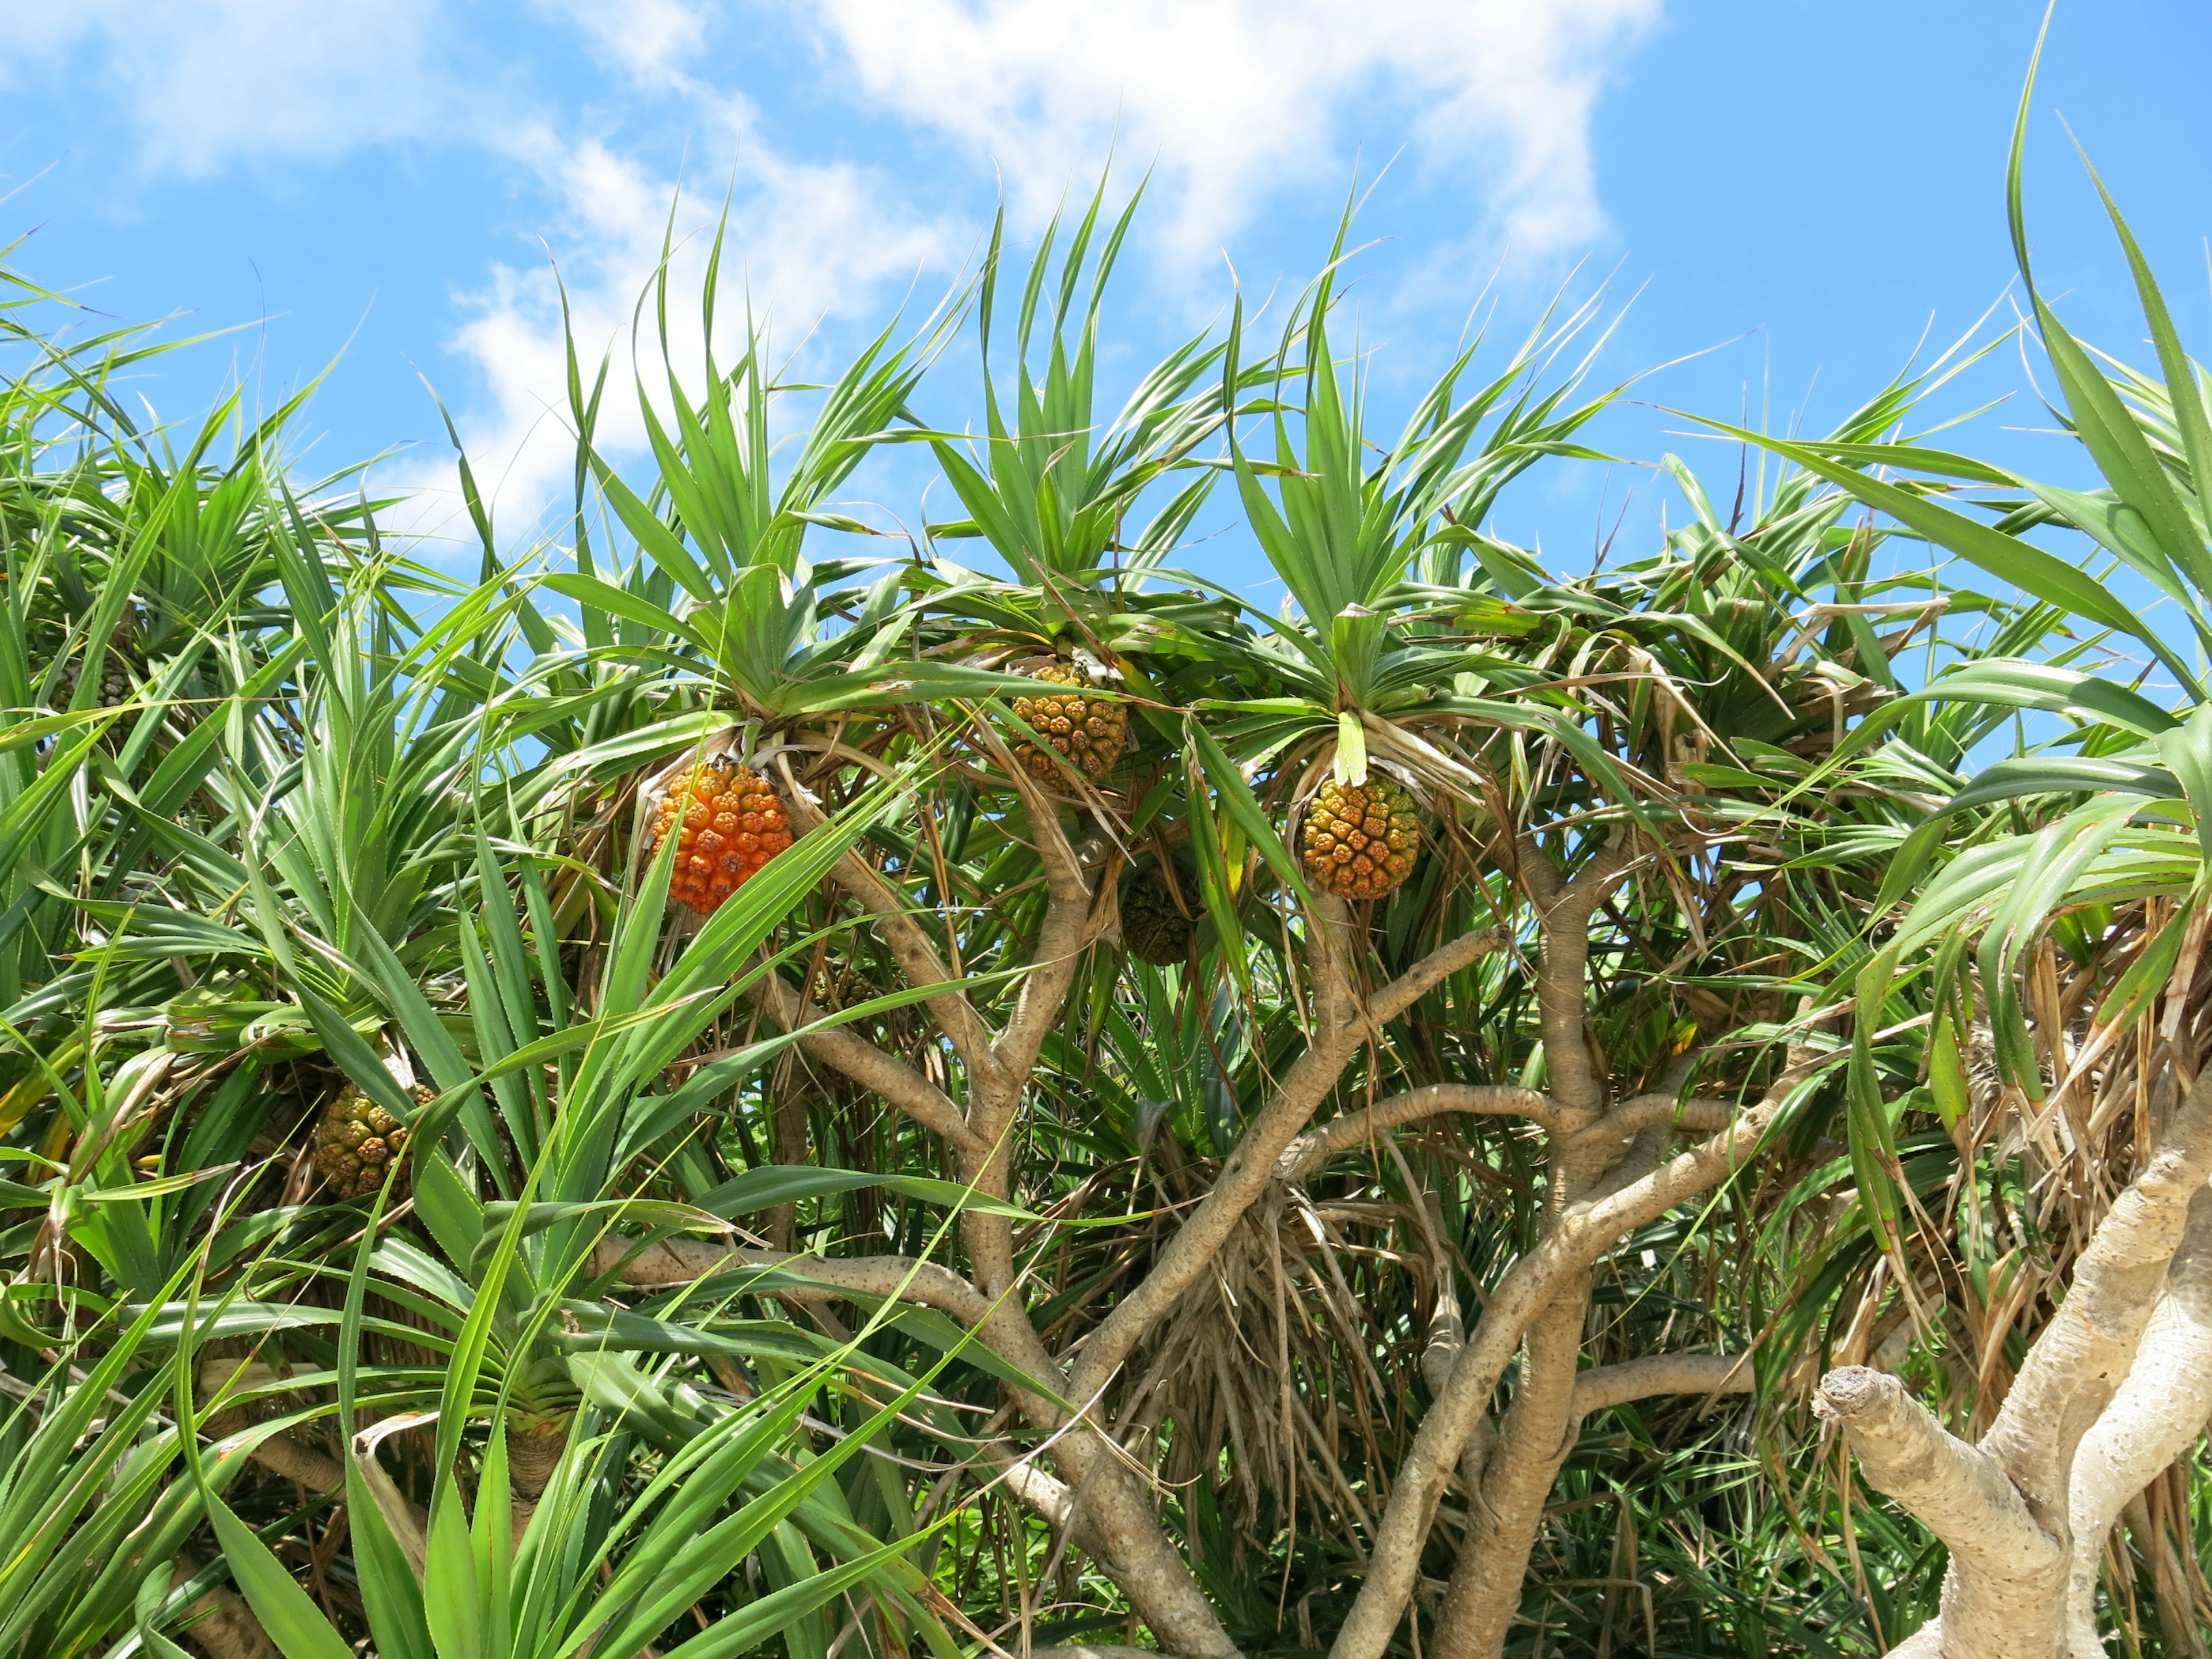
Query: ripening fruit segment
x=1090, y=732
x=727, y=823
x=356, y=1141
x=1361, y=839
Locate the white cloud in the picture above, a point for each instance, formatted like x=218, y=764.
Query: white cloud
x=806, y=242
x=203, y=84
x=1239, y=98
x=649, y=38
x=200, y=86
x=1233, y=100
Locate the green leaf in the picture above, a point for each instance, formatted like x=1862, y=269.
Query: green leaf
x=2044, y=575
x=2010, y=683
x=450, y=1583
x=1245, y=809
x=1947, y=1074
x=292, y=1619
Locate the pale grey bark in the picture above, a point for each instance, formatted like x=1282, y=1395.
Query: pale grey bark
x=1314, y=1149
x=1507, y=1505
x=2072, y=1435
x=2155, y=1416
x=2004, y=1596
x=1713, y=1374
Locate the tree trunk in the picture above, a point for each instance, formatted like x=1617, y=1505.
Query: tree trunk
x=1533, y=1439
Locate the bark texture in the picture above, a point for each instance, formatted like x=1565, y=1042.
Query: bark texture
x=1588, y=1232
x=2114, y=1386
x=2154, y=1417
x=1507, y=1507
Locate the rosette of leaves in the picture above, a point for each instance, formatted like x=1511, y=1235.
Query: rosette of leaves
x=718, y=616
x=1356, y=663
x=1071, y=502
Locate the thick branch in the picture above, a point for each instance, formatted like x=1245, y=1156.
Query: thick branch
x=1605, y=1386
x=244, y=1388
x=881, y=1073
x=1652, y=1111
x=918, y=958
x=1250, y=1166
x=1433, y=970
x=885, y=1278
x=316, y=1470
x=1314, y=1149
x=2154, y=1418
x=1584, y=1234
x=1565, y=910
x=1340, y=1026
x=1070, y=924
x=1506, y=1500
x=2004, y=1594
x=2087, y=1347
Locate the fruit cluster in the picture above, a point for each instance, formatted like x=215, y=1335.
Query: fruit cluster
x=356, y=1140
x=1154, y=929
x=727, y=823
x=1361, y=839
x=1089, y=731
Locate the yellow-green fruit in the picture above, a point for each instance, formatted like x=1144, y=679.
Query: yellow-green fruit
x=1154, y=929
x=356, y=1140
x=1089, y=731
x=1361, y=839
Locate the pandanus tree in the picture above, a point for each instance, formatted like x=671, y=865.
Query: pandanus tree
x=695, y=1092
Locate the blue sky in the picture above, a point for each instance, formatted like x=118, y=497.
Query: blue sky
x=1799, y=187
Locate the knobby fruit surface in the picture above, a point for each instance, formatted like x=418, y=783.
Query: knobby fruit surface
x=1154, y=929
x=727, y=823
x=356, y=1140
x=1089, y=731
x=1361, y=839
x=116, y=690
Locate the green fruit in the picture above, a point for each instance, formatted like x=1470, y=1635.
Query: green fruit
x=356, y=1140
x=1154, y=929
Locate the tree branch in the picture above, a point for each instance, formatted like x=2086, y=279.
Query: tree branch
x=2154, y=1417
x=2002, y=1595
x=1071, y=922
x=1563, y=909
x=1440, y=965
x=874, y=1069
x=2089, y=1344
x=245, y=1388
x=1585, y=1233
x=917, y=956
x=1656, y=1111
x=220, y=1619
x=1247, y=1170
x=1314, y=1149
x=823, y=1279
x=1605, y=1386
x=1340, y=1024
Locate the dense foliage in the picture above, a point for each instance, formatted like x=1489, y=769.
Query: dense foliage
x=1045, y=1201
